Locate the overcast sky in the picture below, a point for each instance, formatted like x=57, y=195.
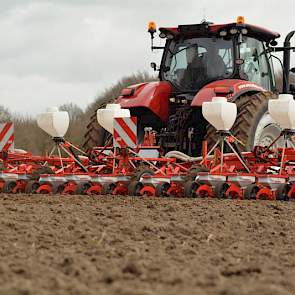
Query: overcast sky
x=59, y=51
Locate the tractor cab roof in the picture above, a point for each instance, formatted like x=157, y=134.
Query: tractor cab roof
x=210, y=30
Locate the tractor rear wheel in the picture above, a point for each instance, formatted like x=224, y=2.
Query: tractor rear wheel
x=253, y=125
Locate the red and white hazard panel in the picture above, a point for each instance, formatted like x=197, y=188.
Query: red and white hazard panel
x=125, y=132
x=6, y=136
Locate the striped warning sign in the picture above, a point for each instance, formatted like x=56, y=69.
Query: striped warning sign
x=125, y=132
x=6, y=136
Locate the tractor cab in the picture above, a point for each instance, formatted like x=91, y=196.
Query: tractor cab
x=195, y=55
x=200, y=62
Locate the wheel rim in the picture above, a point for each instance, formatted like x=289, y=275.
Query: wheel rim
x=267, y=131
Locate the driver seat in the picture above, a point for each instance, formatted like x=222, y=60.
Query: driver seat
x=215, y=66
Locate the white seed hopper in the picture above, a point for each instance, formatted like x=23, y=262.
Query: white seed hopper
x=282, y=110
x=54, y=122
x=220, y=113
x=105, y=117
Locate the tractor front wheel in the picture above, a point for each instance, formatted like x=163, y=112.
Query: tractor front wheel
x=95, y=134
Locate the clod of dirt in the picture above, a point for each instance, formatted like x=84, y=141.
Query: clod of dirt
x=241, y=271
x=132, y=268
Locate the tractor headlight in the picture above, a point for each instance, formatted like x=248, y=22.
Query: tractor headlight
x=162, y=35
x=233, y=31
x=244, y=31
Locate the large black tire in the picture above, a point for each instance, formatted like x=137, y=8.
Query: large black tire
x=251, y=108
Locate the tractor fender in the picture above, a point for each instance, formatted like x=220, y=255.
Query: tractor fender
x=153, y=96
x=231, y=89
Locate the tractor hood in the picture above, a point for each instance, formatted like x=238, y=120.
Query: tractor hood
x=152, y=95
x=231, y=89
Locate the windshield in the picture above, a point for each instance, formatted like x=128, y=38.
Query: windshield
x=192, y=63
x=256, y=65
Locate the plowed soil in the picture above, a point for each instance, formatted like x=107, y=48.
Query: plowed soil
x=115, y=245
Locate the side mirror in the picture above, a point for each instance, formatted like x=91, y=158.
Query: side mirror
x=292, y=70
x=154, y=66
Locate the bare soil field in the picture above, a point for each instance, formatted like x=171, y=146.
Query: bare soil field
x=116, y=245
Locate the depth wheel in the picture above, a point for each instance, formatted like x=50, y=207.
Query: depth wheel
x=134, y=188
x=282, y=192
x=82, y=188
x=190, y=189
x=220, y=190
x=250, y=192
x=161, y=189
x=32, y=186
x=107, y=188
x=9, y=186
x=58, y=188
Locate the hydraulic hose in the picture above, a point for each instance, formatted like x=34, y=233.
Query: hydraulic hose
x=182, y=156
x=186, y=158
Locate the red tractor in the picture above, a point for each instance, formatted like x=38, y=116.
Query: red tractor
x=200, y=62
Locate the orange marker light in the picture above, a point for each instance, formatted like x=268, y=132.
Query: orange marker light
x=152, y=28
x=240, y=20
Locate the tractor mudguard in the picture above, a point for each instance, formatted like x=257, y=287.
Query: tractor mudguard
x=153, y=96
x=231, y=89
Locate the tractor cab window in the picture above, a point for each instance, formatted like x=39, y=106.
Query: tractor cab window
x=256, y=67
x=192, y=63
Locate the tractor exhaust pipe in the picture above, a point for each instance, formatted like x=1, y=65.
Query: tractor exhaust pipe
x=287, y=57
